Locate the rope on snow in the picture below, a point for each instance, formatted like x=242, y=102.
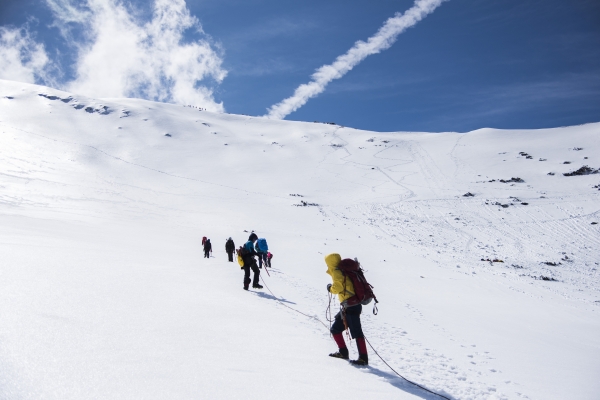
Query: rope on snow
x=370, y=345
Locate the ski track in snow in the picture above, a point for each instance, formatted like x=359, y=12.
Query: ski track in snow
x=395, y=200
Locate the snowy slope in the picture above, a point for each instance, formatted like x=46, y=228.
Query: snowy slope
x=104, y=292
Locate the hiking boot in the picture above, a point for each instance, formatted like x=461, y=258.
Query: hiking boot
x=363, y=360
x=257, y=286
x=245, y=287
x=341, y=353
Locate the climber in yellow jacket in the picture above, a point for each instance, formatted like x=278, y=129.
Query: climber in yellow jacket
x=342, y=287
x=347, y=316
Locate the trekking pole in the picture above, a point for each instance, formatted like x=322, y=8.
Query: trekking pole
x=266, y=270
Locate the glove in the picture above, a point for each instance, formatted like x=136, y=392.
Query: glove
x=329, y=287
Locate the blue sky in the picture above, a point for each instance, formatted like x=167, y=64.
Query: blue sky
x=469, y=64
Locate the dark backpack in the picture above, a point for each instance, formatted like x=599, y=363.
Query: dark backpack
x=241, y=253
x=363, y=291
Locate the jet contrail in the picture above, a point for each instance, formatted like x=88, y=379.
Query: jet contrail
x=382, y=40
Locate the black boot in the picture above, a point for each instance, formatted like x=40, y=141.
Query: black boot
x=341, y=353
x=363, y=359
x=257, y=286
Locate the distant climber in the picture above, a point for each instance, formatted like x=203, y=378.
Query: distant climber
x=207, y=248
x=269, y=257
x=230, y=248
x=261, y=248
x=248, y=254
x=348, y=315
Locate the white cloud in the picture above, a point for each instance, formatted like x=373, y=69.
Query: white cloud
x=126, y=58
x=21, y=58
x=382, y=40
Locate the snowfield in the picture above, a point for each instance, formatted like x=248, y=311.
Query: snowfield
x=483, y=254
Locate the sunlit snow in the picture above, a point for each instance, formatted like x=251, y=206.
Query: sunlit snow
x=487, y=289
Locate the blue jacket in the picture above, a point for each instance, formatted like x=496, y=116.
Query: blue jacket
x=250, y=247
x=249, y=258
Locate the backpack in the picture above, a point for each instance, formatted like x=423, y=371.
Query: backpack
x=363, y=291
x=262, y=246
x=241, y=252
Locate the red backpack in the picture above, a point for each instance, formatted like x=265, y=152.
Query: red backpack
x=363, y=291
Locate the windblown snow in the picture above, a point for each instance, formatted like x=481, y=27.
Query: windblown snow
x=483, y=254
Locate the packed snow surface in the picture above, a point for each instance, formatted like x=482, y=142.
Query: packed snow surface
x=483, y=254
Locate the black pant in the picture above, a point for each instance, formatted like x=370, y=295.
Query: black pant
x=353, y=321
x=262, y=257
x=206, y=253
x=247, y=267
x=230, y=254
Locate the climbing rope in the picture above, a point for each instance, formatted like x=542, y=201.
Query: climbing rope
x=328, y=313
x=416, y=384
x=291, y=308
x=370, y=345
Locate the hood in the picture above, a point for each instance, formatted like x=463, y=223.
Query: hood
x=332, y=260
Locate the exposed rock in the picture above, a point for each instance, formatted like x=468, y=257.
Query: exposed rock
x=306, y=204
x=585, y=170
x=519, y=180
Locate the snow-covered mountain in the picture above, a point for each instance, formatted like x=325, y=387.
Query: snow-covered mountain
x=483, y=253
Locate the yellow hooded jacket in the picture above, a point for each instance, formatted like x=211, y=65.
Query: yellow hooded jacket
x=332, y=261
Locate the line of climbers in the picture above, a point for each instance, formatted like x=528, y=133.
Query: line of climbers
x=348, y=282
x=254, y=247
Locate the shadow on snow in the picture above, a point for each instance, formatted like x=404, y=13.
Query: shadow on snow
x=404, y=385
x=270, y=297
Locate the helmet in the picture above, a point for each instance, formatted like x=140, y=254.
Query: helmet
x=252, y=237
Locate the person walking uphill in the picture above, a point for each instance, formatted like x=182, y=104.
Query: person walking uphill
x=347, y=316
x=207, y=248
x=250, y=263
x=230, y=248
